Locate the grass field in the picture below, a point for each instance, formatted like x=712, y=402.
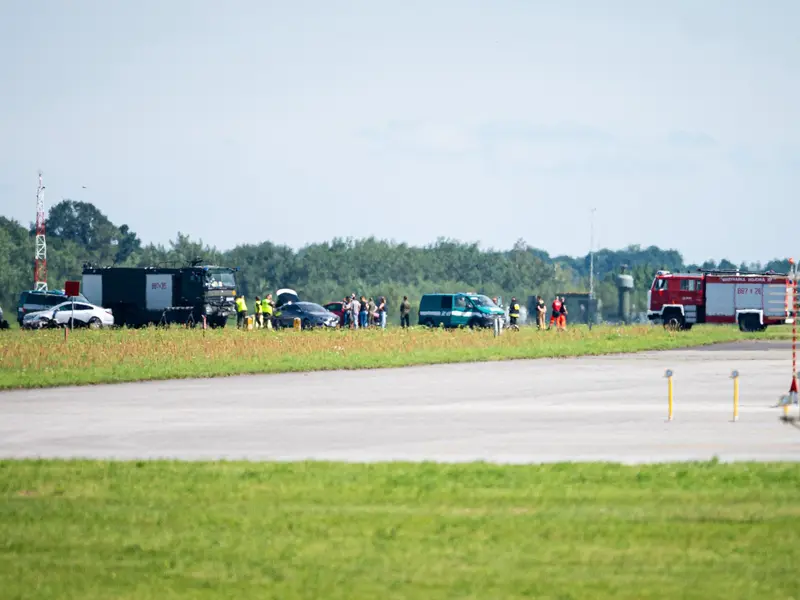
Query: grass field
x=47, y=358
x=153, y=530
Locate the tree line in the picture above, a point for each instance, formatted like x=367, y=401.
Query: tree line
x=79, y=233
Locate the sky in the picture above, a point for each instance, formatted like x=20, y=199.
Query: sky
x=299, y=122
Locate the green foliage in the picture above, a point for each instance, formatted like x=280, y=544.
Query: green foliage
x=77, y=233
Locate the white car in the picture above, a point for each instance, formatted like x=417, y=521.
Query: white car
x=3, y=322
x=85, y=315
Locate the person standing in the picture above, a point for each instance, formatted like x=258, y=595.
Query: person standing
x=363, y=315
x=241, y=312
x=556, y=314
x=259, y=313
x=355, y=310
x=541, y=313
x=346, y=312
x=405, y=313
x=267, y=305
x=513, y=313
x=563, y=313
x=373, y=309
x=382, y=311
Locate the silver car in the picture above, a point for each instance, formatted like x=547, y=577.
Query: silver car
x=84, y=315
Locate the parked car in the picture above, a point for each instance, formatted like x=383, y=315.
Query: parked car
x=3, y=322
x=85, y=315
x=336, y=308
x=311, y=315
x=35, y=301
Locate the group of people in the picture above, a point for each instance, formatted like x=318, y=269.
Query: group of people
x=264, y=308
x=558, y=314
x=360, y=313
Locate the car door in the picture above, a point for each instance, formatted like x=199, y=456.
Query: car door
x=62, y=314
x=461, y=310
x=446, y=310
x=288, y=313
x=83, y=313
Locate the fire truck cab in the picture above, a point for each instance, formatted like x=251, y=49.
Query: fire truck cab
x=751, y=300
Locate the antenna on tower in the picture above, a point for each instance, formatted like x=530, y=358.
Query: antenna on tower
x=40, y=258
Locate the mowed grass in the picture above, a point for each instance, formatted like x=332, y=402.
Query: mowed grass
x=48, y=358
x=153, y=530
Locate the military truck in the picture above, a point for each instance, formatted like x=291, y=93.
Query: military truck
x=141, y=296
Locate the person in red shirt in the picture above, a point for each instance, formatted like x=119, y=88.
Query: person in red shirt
x=556, y=314
x=562, y=319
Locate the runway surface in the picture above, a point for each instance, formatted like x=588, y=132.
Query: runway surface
x=602, y=408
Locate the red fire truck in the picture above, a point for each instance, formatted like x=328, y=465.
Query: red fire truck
x=751, y=300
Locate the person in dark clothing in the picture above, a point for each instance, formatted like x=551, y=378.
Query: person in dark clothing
x=405, y=313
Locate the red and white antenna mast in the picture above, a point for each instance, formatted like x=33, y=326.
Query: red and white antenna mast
x=40, y=268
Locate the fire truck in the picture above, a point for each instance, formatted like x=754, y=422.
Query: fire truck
x=751, y=300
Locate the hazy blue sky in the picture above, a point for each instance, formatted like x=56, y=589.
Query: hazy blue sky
x=484, y=121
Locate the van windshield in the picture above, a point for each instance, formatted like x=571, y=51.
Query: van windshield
x=481, y=300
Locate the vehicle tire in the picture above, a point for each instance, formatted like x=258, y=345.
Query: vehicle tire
x=474, y=324
x=306, y=324
x=749, y=324
x=4, y=325
x=94, y=323
x=674, y=321
x=429, y=323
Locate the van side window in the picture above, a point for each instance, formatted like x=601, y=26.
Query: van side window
x=447, y=302
x=461, y=302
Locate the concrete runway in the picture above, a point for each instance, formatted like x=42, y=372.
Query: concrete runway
x=602, y=408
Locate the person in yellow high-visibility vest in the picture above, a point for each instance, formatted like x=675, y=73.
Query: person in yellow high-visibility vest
x=259, y=314
x=241, y=312
x=266, y=307
x=513, y=313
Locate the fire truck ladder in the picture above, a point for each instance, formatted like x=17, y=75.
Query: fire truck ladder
x=740, y=272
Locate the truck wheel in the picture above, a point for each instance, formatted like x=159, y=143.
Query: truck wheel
x=674, y=321
x=744, y=324
x=749, y=323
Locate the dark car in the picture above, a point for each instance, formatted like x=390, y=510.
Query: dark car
x=34, y=301
x=311, y=315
